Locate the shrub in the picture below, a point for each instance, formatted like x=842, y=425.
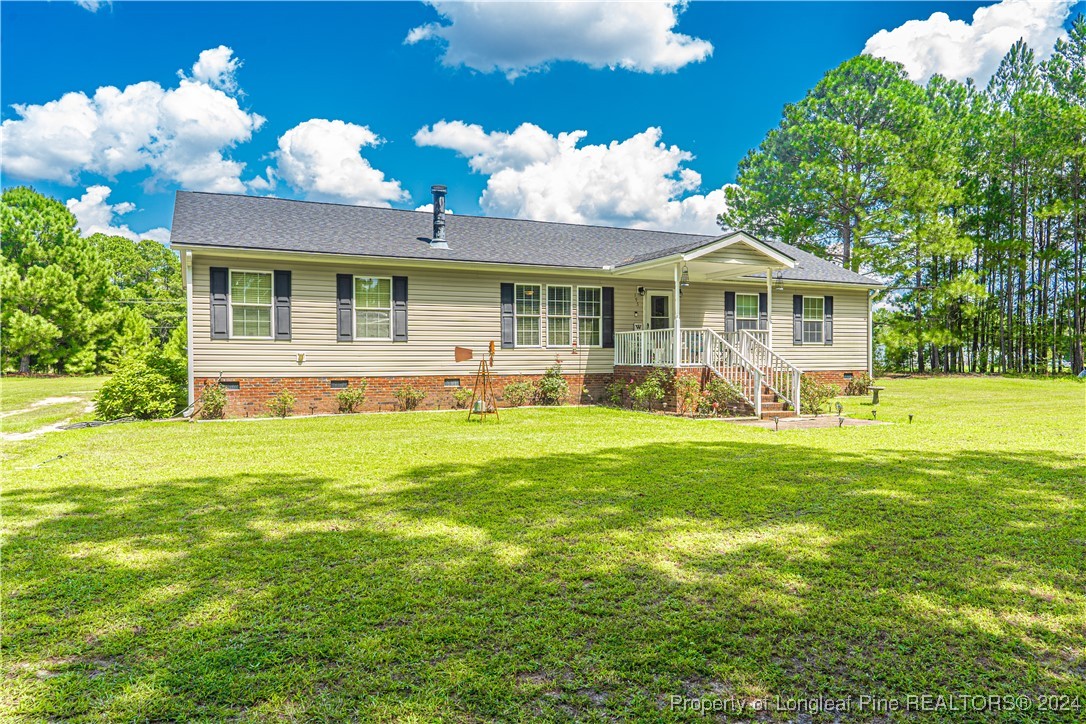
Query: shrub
x=282, y=404
x=687, y=393
x=516, y=394
x=409, y=397
x=858, y=385
x=720, y=397
x=552, y=388
x=143, y=386
x=461, y=396
x=212, y=401
x=615, y=393
x=352, y=398
x=653, y=389
x=815, y=394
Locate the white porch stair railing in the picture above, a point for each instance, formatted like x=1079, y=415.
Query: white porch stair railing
x=779, y=375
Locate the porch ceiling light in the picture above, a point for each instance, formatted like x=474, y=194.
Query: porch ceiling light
x=684, y=280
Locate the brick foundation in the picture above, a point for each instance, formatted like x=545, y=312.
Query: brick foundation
x=315, y=395
x=834, y=377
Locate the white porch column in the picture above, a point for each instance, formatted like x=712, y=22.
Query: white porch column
x=678, y=322
x=769, y=306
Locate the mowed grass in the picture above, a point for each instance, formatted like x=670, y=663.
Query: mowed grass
x=20, y=393
x=565, y=564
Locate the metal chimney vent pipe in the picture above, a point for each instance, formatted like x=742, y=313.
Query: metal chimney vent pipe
x=438, y=239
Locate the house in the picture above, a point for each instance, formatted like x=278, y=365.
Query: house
x=311, y=297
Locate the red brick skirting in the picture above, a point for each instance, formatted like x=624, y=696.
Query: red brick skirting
x=315, y=395
x=834, y=377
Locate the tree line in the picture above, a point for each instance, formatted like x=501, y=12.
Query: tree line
x=75, y=305
x=969, y=203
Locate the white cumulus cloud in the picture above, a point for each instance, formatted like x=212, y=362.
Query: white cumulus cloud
x=637, y=182
x=181, y=134
x=521, y=37
x=95, y=215
x=217, y=67
x=960, y=50
x=323, y=160
x=429, y=208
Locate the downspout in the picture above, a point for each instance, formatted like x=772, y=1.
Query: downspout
x=188, y=327
x=870, y=337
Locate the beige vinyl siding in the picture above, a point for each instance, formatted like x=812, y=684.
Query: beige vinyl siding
x=702, y=305
x=449, y=307
x=849, y=348
x=739, y=252
x=445, y=308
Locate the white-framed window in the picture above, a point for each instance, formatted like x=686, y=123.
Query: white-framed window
x=559, y=316
x=528, y=310
x=814, y=312
x=746, y=311
x=250, y=304
x=373, y=308
x=589, y=316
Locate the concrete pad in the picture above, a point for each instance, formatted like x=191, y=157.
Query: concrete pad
x=807, y=422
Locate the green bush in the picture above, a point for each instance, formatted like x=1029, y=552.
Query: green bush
x=282, y=404
x=552, y=388
x=212, y=401
x=720, y=398
x=143, y=386
x=615, y=393
x=516, y=394
x=409, y=397
x=461, y=396
x=687, y=393
x=814, y=394
x=652, y=390
x=352, y=398
x=858, y=385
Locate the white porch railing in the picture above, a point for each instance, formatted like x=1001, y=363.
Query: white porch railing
x=700, y=347
x=651, y=347
x=762, y=335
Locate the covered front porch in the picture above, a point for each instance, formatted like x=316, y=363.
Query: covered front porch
x=738, y=347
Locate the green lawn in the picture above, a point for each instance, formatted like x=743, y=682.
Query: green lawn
x=564, y=564
x=19, y=393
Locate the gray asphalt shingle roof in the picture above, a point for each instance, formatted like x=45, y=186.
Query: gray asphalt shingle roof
x=250, y=222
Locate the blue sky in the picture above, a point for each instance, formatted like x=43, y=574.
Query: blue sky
x=339, y=82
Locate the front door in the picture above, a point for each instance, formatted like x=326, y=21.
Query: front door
x=658, y=310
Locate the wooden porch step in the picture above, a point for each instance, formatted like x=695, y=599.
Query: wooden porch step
x=770, y=414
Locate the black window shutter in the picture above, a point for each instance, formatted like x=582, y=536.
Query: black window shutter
x=399, y=309
x=797, y=319
x=508, y=334
x=220, y=302
x=763, y=311
x=608, y=331
x=344, y=307
x=827, y=321
x=729, y=311
x=282, y=305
